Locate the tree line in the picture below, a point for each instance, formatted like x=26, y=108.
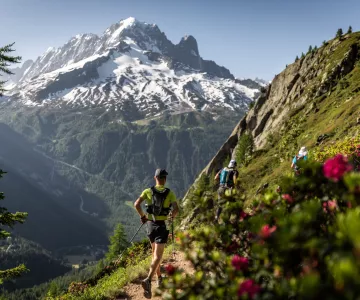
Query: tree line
x=313, y=49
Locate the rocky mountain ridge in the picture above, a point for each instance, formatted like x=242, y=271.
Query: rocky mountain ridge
x=296, y=94
x=132, y=68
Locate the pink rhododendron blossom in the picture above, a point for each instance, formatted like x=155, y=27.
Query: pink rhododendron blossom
x=288, y=198
x=266, y=231
x=240, y=263
x=248, y=287
x=335, y=168
x=243, y=215
x=170, y=269
x=357, y=151
x=332, y=205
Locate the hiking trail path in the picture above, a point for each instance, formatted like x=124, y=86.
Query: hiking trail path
x=134, y=291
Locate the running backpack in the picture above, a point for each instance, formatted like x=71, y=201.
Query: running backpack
x=226, y=177
x=157, y=206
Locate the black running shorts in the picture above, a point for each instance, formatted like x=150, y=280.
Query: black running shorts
x=157, y=232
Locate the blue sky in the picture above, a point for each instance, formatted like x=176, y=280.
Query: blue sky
x=252, y=38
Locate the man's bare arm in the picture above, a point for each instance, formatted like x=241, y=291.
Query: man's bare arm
x=137, y=206
x=175, y=209
x=217, y=175
x=235, y=178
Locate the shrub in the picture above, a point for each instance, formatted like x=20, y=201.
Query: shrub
x=299, y=242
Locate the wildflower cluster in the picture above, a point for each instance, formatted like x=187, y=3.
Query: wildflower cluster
x=299, y=240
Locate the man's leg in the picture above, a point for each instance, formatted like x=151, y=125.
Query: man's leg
x=158, y=250
x=221, y=192
x=157, y=256
x=158, y=273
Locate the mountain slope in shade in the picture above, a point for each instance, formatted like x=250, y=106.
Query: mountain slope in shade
x=55, y=219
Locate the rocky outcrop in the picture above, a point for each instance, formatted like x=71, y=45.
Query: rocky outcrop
x=291, y=89
x=290, y=92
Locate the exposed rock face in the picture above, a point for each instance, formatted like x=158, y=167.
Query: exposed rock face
x=289, y=93
x=187, y=52
x=292, y=88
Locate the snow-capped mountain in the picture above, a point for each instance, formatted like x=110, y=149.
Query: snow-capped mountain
x=132, y=67
x=262, y=82
x=12, y=79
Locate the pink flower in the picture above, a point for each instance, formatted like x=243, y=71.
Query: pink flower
x=243, y=215
x=170, y=269
x=240, y=263
x=287, y=198
x=335, y=168
x=325, y=205
x=266, y=231
x=357, y=151
x=332, y=205
x=248, y=287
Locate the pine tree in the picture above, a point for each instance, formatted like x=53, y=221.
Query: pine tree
x=310, y=49
x=297, y=58
x=339, y=33
x=324, y=43
x=349, y=30
x=315, y=48
x=10, y=219
x=302, y=55
x=5, y=61
x=118, y=243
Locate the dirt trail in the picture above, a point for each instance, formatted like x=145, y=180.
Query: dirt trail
x=134, y=291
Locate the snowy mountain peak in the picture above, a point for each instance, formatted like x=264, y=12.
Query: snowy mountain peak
x=123, y=25
x=188, y=37
x=128, y=22
x=189, y=43
x=48, y=50
x=132, y=68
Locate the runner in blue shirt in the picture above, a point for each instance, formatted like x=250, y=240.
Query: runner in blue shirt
x=301, y=155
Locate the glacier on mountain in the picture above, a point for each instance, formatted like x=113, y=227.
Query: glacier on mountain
x=132, y=66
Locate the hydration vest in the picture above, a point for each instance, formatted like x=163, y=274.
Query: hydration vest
x=226, y=177
x=157, y=207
